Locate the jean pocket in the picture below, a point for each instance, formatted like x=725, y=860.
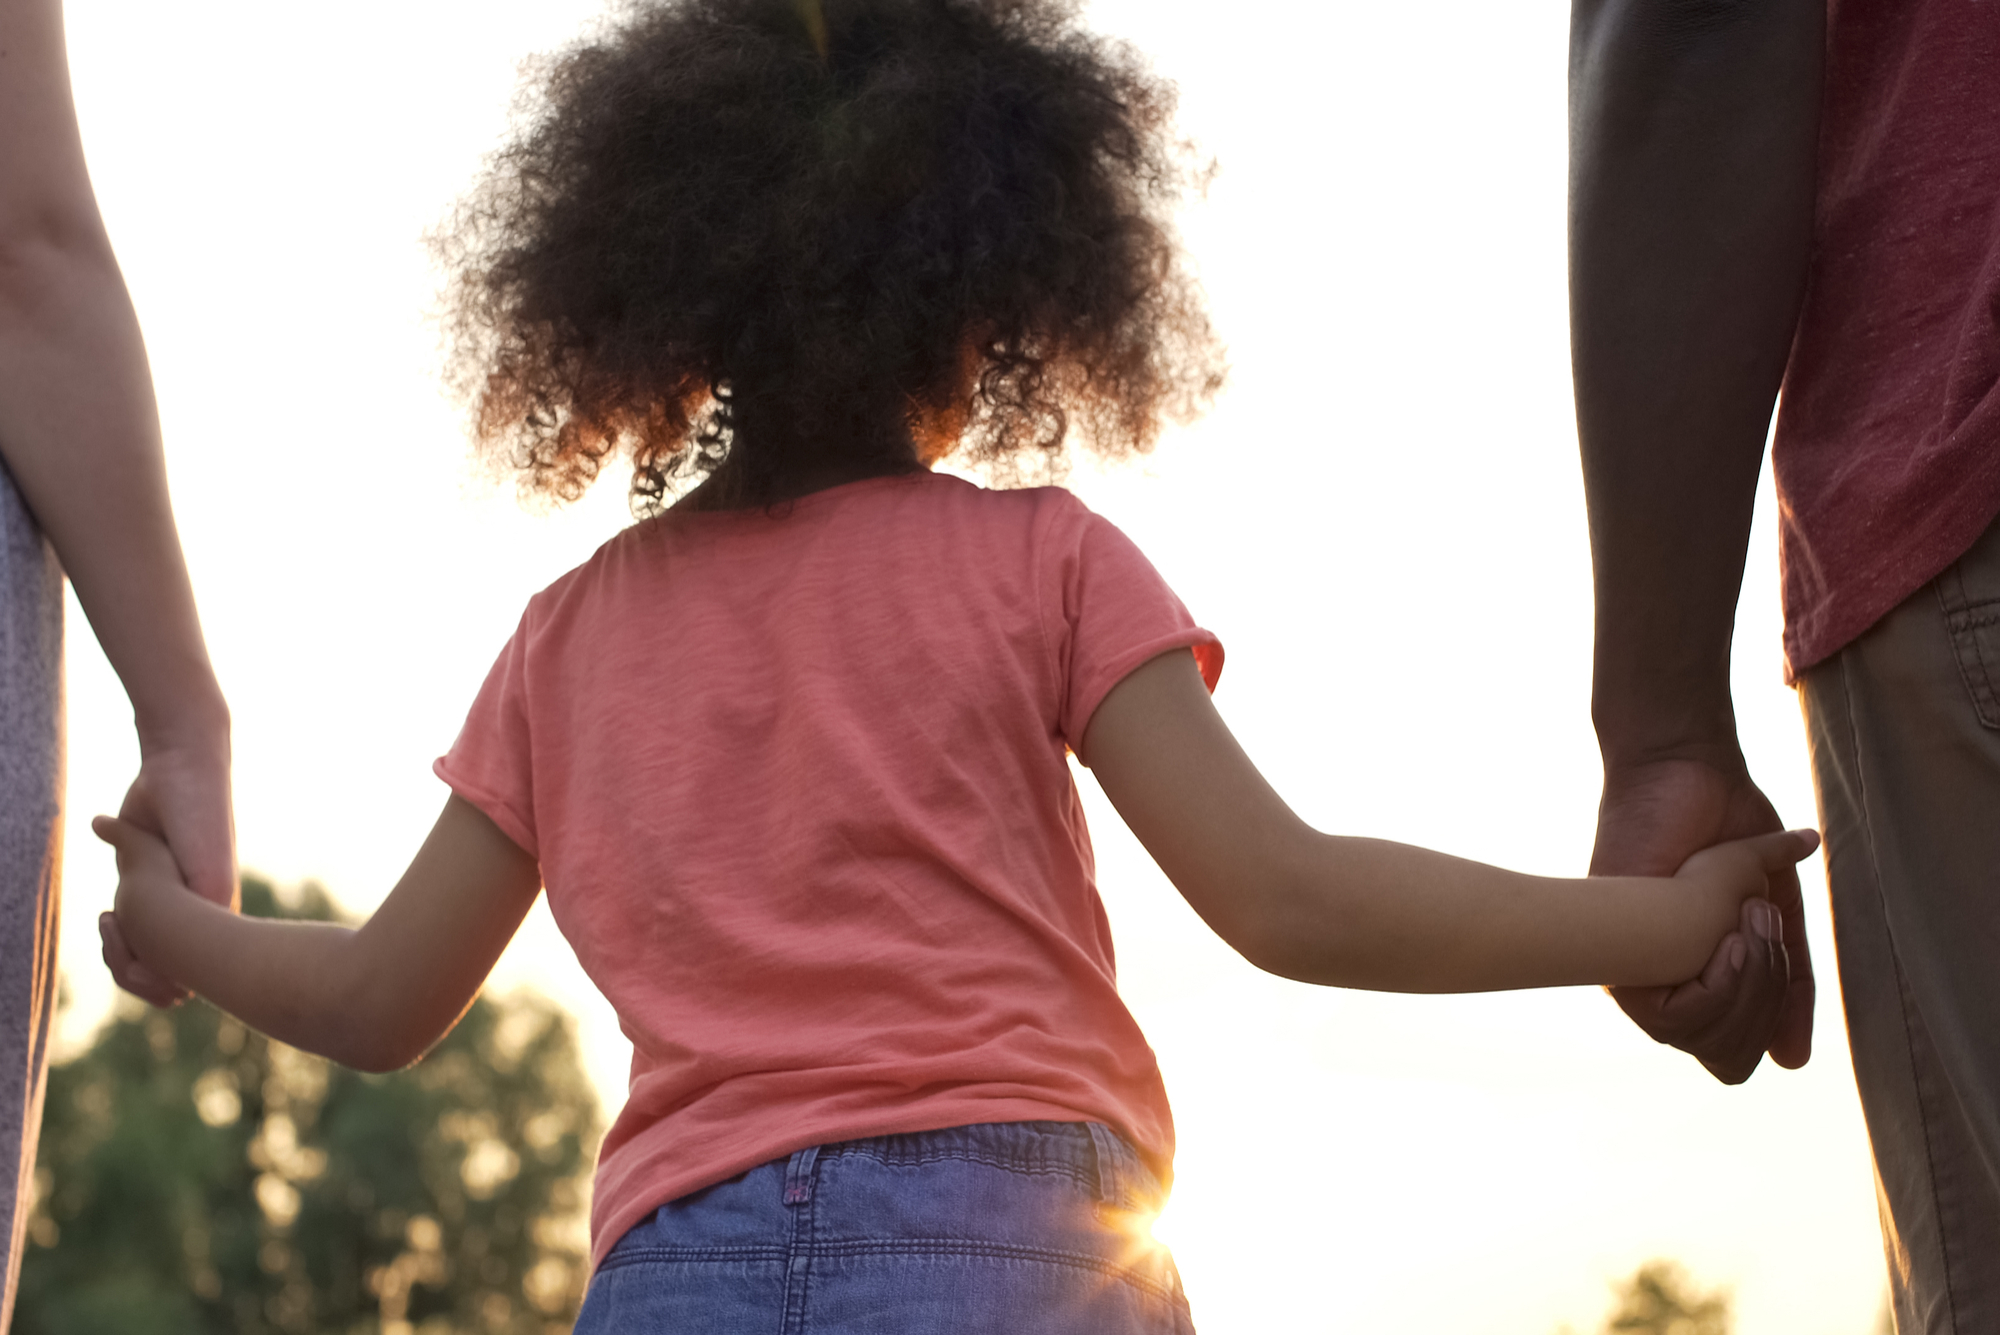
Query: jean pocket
x=1970, y=595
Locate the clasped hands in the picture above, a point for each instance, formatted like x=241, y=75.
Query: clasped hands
x=181, y=797
x=1756, y=993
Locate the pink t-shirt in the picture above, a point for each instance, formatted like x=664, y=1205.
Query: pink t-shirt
x=797, y=782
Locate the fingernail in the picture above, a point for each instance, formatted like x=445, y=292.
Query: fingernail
x=1763, y=920
x=1736, y=953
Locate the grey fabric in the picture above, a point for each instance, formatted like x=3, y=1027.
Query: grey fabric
x=31, y=780
x=1905, y=736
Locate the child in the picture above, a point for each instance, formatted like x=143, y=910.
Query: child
x=790, y=754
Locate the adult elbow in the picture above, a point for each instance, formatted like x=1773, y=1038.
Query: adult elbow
x=47, y=257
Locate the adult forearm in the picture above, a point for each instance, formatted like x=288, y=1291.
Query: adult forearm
x=80, y=433
x=1693, y=137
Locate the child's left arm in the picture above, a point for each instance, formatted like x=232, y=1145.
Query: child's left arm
x=1351, y=912
x=374, y=997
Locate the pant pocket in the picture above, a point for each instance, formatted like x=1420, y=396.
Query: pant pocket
x=1969, y=593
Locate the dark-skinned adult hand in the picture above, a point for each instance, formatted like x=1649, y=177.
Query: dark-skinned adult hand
x=1756, y=993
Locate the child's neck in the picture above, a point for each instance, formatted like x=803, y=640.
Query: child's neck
x=715, y=493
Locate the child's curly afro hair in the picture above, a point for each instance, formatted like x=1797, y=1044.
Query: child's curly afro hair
x=766, y=240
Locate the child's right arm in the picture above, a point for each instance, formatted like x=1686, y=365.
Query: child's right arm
x=373, y=997
x=1371, y=914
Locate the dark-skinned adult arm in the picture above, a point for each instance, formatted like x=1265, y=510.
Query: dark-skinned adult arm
x=1693, y=133
x=80, y=434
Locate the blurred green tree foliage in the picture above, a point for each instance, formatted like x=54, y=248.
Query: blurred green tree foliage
x=1661, y=1299
x=196, y=1178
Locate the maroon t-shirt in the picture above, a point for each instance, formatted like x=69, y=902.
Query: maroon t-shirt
x=1888, y=439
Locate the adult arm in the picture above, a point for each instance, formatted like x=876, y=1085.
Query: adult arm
x=1693, y=133
x=80, y=434
x=374, y=997
x=1368, y=913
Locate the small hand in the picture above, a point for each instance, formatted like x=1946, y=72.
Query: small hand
x=145, y=866
x=1747, y=976
x=1746, y=867
x=129, y=973
x=181, y=796
x=1653, y=818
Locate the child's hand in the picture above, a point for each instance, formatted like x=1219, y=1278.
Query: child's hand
x=1741, y=874
x=146, y=867
x=1749, y=865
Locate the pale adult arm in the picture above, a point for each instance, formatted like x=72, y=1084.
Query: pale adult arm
x=80, y=434
x=1693, y=132
x=1367, y=913
x=374, y=997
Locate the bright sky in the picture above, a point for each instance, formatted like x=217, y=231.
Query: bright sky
x=1382, y=519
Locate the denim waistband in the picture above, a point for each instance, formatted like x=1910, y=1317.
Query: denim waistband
x=1095, y=1157
x=989, y=1229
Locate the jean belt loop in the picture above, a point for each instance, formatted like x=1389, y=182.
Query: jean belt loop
x=1110, y=1153
x=799, y=1176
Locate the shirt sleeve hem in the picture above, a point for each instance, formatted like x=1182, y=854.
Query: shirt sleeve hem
x=495, y=808
x=1207, y=655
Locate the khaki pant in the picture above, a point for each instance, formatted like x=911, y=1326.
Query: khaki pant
x=1905, y=732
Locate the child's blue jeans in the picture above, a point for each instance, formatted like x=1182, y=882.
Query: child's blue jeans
x=1008, y=1228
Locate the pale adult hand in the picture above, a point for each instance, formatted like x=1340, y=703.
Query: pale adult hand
x=1756, y=993
x=182, y=797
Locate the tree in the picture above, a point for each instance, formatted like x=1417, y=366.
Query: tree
x=196, y=1178
x=1660, y=1299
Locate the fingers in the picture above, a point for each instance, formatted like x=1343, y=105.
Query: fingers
x=1791, y=1045
x=1725, y=1017
x=140, y=855
x=108, y=828
x=1733, y=1043
x=137, y=850
x=1718, y=978
x=1780, y=853
x=129, y=973
x=1790, y=1038
x=1775, y=855
x=1680, y=1015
